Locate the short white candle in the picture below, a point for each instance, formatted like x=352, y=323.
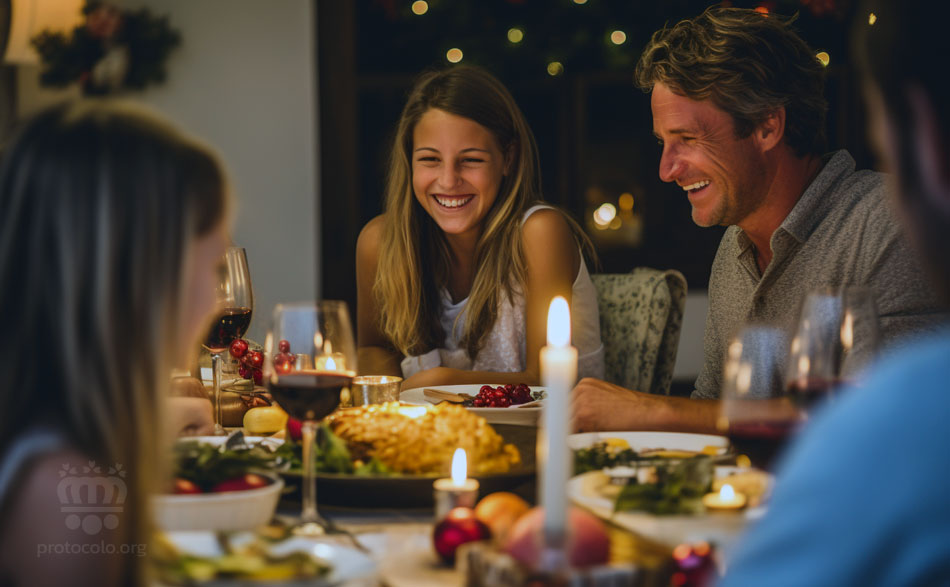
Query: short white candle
x=726, y=499
x=459, y=491
x=558, y=375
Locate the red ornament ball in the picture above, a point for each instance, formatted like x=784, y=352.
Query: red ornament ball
x=458, y=527
x=283, y=346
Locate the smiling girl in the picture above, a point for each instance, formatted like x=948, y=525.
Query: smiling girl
x=454, y=279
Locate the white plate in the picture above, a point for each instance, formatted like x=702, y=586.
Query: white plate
x=348, y=563
x=509, y=415
x=219, y=440
x=721, y=528
x=643, y=440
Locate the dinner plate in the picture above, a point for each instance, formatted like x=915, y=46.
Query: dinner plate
x=643, y=440
x=348, y=563
x=585, y=490
x=510, y=415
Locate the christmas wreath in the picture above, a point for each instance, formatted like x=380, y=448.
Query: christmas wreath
x=111, y=50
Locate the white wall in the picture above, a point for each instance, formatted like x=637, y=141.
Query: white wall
x=244, y=80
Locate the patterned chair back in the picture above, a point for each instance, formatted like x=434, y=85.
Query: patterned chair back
x=641, y=314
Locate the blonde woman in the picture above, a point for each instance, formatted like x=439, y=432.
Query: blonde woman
x=111, y=227
x=455, y=278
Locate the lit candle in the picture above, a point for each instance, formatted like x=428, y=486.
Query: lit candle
x=726, y=500
x=558, y=375
x=331, y=362
x=459, y=491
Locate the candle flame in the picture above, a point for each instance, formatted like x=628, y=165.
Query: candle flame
x=727, y=493
x=559, y=323
x=331, y=364
x=459, y=467
x=847, y=331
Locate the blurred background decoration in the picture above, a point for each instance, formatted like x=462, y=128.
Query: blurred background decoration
x=110, y=49
x=569, y=64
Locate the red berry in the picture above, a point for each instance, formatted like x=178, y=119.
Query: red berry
x=256, y=359
x=258, y=377
x=244, y=372
x=486, y=389
x=503, y=402
x=283, y=346
x=238, y=348
x=509, y=387
x=499, y=393
x=294, y=429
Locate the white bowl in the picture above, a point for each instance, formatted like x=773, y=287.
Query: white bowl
x=231, y=510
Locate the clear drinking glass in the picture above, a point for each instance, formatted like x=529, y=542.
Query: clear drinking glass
x=235, y=304
x=755, y=413
x=309, y=358
x=837, y=338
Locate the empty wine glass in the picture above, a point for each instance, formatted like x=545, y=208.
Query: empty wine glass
x=755, y=413
x=837, y=338
x=234, y=304
x=309, y=357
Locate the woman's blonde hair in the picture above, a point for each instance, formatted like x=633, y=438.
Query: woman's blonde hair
x=100, y=204
x=414, y=259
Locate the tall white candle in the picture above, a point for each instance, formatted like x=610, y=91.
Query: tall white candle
x=558, y=375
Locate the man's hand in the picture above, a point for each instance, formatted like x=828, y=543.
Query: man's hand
x=598, y=405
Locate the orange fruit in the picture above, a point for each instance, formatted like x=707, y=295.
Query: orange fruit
x=499, y=511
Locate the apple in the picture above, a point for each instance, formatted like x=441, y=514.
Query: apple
x=242, y=483
x=183, y=486
x=588, y=543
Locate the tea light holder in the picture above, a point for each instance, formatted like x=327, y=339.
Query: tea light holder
x=459, y=491
x=726, y=500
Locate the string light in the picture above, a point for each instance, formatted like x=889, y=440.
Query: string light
x=454, y=55
x=626, y=201
x=580, y=1
x=764, y=10
x=515, y=35
x=823, y=57
x=555, y=68
x=420, y=7
x=618, y=37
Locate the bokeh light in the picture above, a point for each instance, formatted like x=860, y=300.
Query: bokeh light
x=420, y=7
x=454, y=55
x=515, y=35
x=823, y=57
x=626, y=201
x=555, y=68
x=618, y=37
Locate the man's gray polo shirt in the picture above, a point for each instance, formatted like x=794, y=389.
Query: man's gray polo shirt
x=841, y=232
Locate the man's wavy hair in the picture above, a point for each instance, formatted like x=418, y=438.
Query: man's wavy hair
x=748, y=64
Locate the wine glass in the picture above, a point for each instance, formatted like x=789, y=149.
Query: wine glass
x=235, y=304
x=309, y=357
x=755, y=413
x=837, y=338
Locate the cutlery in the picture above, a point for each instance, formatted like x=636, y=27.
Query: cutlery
x=446, y=396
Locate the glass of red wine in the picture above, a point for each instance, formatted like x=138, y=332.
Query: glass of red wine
x=756, y=413
x=235, y=304
x=309, y=358
x=836, y=339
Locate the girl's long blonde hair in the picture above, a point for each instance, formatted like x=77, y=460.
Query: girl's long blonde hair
x=414, y=259
x=100, y=204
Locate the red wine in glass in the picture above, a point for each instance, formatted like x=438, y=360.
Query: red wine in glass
x=810, y=391
x=761, y=441
x=231, y=323
x=309, y=395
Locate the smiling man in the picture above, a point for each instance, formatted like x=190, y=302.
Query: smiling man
x=738, y=108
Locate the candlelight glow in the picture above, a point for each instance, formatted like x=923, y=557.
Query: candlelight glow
x=413, y=411
x=559, y=323
x=847, y=331
x=331, y=364
x=872, y=18
x=727, y=493
x=459, y=467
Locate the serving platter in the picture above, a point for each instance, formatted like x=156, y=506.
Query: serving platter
x=512, y=415
x=595, y=492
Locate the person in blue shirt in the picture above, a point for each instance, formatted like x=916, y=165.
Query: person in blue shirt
x=863, y=498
